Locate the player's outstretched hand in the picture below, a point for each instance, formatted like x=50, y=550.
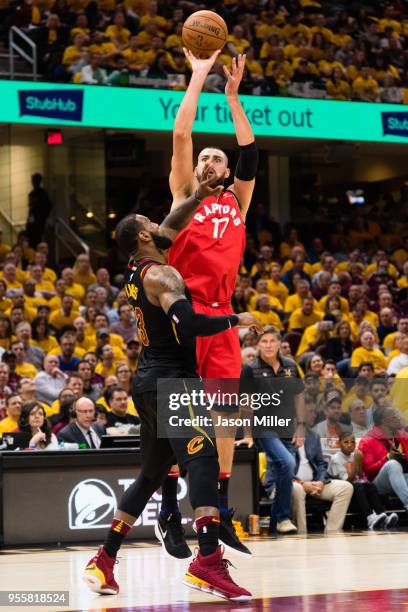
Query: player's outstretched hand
x=201, y=66
x=248, y=320
x=206, y=185
x=234, y=77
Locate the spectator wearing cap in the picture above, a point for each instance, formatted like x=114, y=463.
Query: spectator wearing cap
x=101, y=321
x=126, y=326
x=32, y=354
x=66, y=315
x=23, y=368
x=385, y=454
x=329, y=430
x=49, y=382
x=93, y=391
x=117, y=415
x=103, y=337
x=14, y=404
x=66, y=358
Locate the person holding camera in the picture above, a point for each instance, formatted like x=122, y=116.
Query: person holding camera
x=385, y=454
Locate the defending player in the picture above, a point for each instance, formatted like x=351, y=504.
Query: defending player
x=167, y=327
x=207, y=254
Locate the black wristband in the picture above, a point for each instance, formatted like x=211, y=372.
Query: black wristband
x=233, y=319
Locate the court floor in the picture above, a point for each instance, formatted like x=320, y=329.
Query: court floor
x=366, y=572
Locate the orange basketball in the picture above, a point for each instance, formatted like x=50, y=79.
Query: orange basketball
x=204, y=32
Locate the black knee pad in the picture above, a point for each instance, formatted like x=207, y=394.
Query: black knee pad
x=203, y=481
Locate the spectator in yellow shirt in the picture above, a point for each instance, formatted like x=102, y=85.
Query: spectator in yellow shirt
x=304, y=316
x=264, y=314
x=9, y=277
x=107, y=365
x=270, y=49
x=253, y=66
x=41, y=336
x=87, y=342
x=315, y=335
x=14, y=404
x=44, y=287
x=367, y=352
x=103, y=337
x=294, y=301
x=23, y=368
x=153, y=16
x=334, y=289
x=320, y=27
x=73, y=54
x=360, y=390
x=30, y=298
x=4, y=248
x=401, y=254
x=365, y=87
x=119, y=35
x=337, y=86
x=65, y=316
x=81, y=26
x=261, y=288
x=275, y=286
x=402, y=282
x=83, y=273
x=236, y=42
x=72, y=288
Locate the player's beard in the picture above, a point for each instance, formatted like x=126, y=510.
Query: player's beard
x=216, y=182
x=161, y=242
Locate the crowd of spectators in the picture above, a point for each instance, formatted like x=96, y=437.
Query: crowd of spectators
x=69, y=346
x=307, y=48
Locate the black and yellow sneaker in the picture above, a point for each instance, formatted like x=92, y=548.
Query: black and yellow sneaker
x=171, y=535
x=228, y=536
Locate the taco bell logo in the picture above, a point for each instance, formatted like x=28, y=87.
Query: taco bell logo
x=52, y=103
x=91, y=505
x=395, y=123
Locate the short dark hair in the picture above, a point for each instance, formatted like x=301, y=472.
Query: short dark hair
x=365, y=364
x=346, y=434
x=110, y=392
x=379, y=381
x=126, y=234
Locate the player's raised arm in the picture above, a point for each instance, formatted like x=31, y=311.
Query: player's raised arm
x=180, y=216
x=165, y=285
x=182, y=169
x=244, y=181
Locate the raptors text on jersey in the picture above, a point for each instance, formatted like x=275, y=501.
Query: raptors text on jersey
x=208, y=252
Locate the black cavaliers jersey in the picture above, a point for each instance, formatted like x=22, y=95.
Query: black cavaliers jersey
x=165, y=353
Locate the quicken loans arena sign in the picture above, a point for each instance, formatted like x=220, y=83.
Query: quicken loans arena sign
x=147, y=109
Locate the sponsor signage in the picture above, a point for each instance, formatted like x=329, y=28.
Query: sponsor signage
x=72, y=497
x=154, y=109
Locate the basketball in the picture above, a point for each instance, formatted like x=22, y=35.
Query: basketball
x=204, y=32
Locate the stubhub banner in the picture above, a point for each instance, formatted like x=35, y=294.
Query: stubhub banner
x=395, y=124
x=129, y=108
x=52, y=103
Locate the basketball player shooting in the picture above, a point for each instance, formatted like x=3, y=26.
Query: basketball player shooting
x=167, y=327
x=207, y=253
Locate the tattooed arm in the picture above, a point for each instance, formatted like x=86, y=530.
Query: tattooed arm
x=165, y=287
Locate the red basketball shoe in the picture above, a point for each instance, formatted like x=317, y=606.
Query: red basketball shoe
x=98, y=574
x=210, y=574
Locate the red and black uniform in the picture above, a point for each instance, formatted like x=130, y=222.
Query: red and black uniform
x=207, y=253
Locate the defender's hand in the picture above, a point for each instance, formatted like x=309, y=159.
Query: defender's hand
x=205, y=188
x=235, y=76
x=201, y=66
x=248, y=320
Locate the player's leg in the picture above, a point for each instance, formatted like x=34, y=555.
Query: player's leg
x=208, y=571
x=157, y=457
x=168, y=528
x=223, y=361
